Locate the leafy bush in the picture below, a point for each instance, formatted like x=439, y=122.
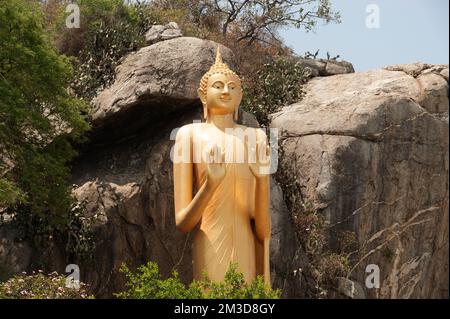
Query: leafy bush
x=193, y=16
x=331, y=266
x=75, y=234
x=10, y=193
x=41, y=286
x=235, y=287
x=39, y=119
x=78, y=235
x=109, y=36
x=277, y=84
x=146, y=283
x=310, y=227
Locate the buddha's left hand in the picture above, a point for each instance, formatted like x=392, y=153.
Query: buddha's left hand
x=261, y=168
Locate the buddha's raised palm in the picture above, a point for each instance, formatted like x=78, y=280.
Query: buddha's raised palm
x=260, y=168
x=216, y=166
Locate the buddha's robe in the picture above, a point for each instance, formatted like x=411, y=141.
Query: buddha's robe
x=225, y=232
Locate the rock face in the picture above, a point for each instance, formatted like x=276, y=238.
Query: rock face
x=370, y=151
x=287, y=258
x=15, y=254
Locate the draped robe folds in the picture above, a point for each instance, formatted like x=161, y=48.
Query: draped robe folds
x=225, y=233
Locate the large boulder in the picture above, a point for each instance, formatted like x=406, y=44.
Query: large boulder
x=370, y=151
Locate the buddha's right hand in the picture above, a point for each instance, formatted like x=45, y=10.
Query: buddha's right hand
x=216, y=166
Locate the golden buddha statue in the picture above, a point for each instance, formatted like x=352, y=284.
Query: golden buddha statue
x=221, y=183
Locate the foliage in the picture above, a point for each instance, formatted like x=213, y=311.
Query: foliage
x=278, y=83
x=235, y=287
x=41, y=286
x=331, y=266
x=112, y=30
x=10, y=193
x=147, y=283
x=387, y=253
x=193, y=17
x=78, y=235
x=39, y=120
x=75, y=233
x=314, y=56
x=348, y=242
x=310, y=226
x=70, y=41
x=252, y=20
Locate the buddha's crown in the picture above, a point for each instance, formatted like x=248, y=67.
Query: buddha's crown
x=217, y=68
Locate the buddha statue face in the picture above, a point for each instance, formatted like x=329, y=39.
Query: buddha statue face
x=223, y=94
x=220, y=90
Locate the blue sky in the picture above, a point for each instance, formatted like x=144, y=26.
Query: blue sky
x=409, y=31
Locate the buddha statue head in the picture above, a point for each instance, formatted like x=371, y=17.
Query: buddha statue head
x=220, y=90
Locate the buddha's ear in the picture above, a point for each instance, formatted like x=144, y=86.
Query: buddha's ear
x=236, y=111
x=202, y=96
x=240, y=95
x=205, y=113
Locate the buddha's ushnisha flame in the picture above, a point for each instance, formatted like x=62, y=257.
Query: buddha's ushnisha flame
x=217, y=68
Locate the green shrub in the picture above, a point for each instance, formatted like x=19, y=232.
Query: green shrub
x=41, y=286
x=348, y=242
x=277, y=84
x=332, y=266
x=78, y=235
x=75, y=234
x=39, y=119
x=109, y=36
x=310, y=228
x=10, y=193
x=147, y=283
x=235, y=287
